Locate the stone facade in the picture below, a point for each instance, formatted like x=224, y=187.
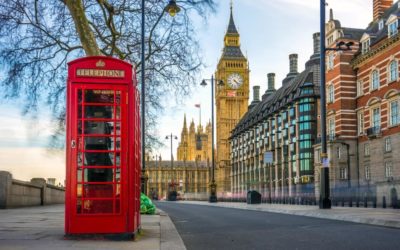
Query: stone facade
x=363, y=119
x=231, y=102
x=195, y=144
x=189, y=178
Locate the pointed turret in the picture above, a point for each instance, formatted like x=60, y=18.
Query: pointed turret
x=231, y=26
x=184, y=129
x=192, y=127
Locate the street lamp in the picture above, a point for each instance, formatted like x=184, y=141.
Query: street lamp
x=172, y=9
x=324, y=200
x=172, y=172
x=213, y=186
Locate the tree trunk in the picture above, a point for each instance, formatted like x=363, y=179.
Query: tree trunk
x=86, y=35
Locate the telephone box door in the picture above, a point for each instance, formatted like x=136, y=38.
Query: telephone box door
x=98, y=155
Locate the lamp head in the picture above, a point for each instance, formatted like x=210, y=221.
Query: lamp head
x=220, y=83
x=176, y=138
x=349, y=44
x=172, y=8
x=203, y=83
x=340, y=44
x=166, y=137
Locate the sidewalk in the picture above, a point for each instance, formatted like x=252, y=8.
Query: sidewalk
x=374, y=216
x=43, y=228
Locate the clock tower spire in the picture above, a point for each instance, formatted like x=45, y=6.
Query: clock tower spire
x=231, y=101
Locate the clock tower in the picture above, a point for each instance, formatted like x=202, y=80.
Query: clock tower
x=231, y=101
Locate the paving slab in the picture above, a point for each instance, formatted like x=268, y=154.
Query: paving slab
x=43, y=228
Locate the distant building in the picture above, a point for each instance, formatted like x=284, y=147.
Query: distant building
x=283, y=124
x=189, y=178
x=363, y=115
x=195, y=144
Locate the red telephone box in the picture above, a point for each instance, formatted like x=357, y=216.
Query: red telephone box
x=103, y=148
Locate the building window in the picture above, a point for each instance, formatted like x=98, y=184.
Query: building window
x=393, y=71
x=338, y=152
x=381, y=24
x=394, y=113
x=392, y=28
x=343, y=173
x=360, y=122
x=375, y=80
x=365, y=46
x=360, y=88
x=388, y=144
x=330, y=61
x=366, y=149
x=318, y=155
x=331, y=93
x=388, y=169
x=367, y=172
x=331, y=129
x=376, y=118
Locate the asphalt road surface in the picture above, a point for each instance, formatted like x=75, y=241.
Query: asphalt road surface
x=205, y=227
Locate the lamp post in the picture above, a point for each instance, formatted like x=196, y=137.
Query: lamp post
x=172, y=9
x=213, y=186
x=171, y=136
x=325, y=201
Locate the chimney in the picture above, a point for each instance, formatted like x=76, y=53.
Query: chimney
x=256, y=97
x=256, y=93
x=271, y=81
x=293, y=63
x=380, y=6
x=317, y=45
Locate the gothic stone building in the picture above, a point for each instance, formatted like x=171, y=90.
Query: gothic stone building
x=189, y=178
x=195, y=144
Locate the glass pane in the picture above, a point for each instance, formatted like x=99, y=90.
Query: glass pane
x=117, y=143
x=118, y=190
x=99, y=127
x=98, y=159
x=79, y=190
x=117, y=206
x=104, y=112
x=79, y=206
x=98, y=175
x=118, y=175
x=99, y=96
x=97, y=206
x=80, y=159
x=118, y=159
x=98, y=191
x=79, y=175
x=118, y=113
x=118, y=97
x=118, y=128
x=99, y=143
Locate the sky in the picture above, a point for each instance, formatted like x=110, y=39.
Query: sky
x=270, y=30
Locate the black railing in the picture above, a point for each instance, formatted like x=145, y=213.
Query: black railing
x=374, y=131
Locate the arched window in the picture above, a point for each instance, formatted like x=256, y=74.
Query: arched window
x=375, y=80
x=393, y=71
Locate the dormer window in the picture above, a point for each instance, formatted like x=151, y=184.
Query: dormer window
x=381, y=24
x=393, y=25
x=393, y=28
x=365, y=46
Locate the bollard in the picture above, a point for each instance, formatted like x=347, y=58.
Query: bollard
x=358, y=202
x=384, y=202
x=350, y=202
x=374, y=202
x=342, y=202
x=365, y=202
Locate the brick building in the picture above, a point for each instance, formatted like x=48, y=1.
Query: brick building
x=363, y=118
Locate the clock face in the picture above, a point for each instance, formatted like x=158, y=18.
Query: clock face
x=235, y=80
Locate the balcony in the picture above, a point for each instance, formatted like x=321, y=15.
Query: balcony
x=374, y=132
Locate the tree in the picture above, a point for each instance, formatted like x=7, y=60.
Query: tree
x=38, y=38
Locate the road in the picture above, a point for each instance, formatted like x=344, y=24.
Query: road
x=205, y=227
